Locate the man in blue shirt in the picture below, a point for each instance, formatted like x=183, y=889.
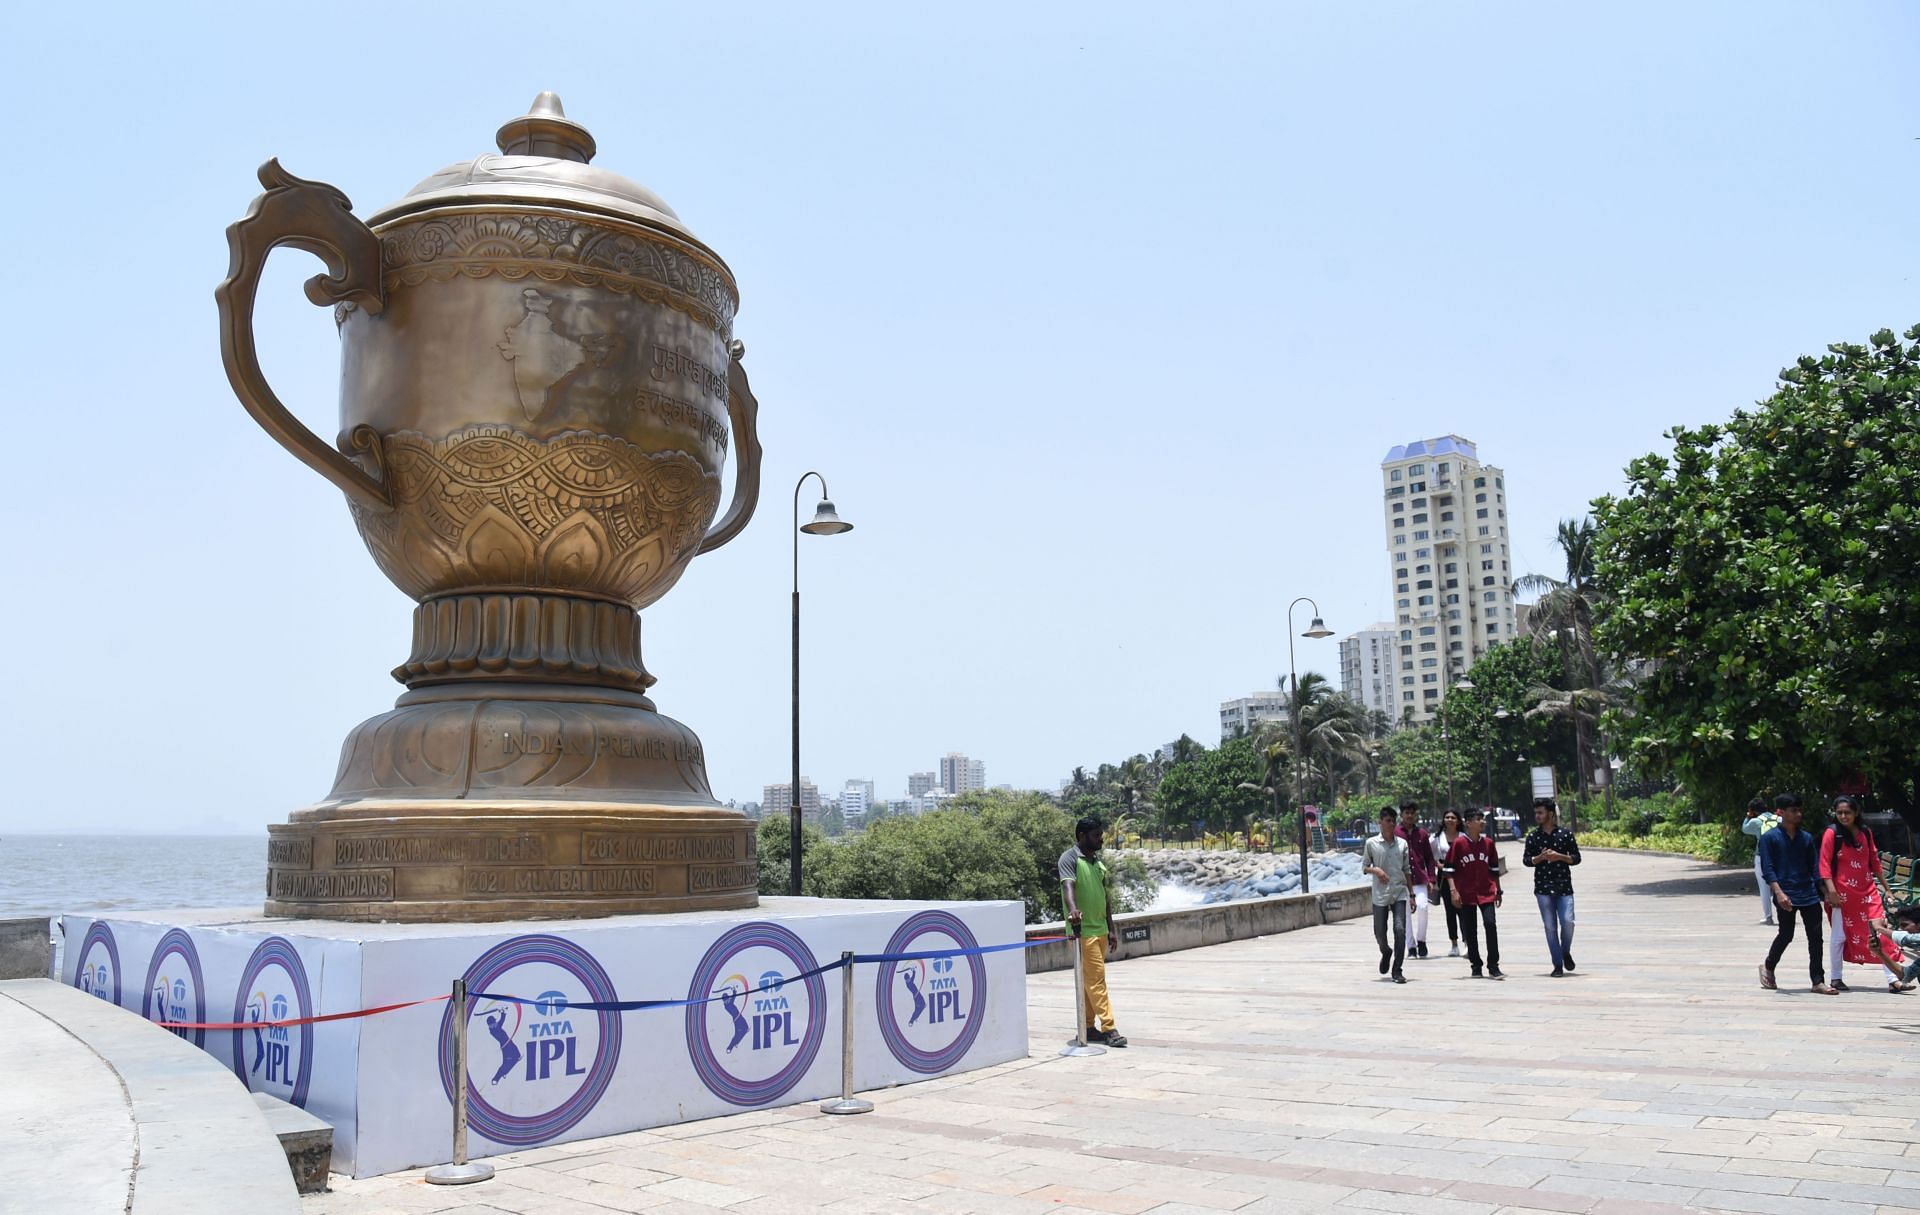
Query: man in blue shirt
x=1790, y=863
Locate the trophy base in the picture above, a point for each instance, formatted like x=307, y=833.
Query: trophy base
x=471, y=804
x=452, y=862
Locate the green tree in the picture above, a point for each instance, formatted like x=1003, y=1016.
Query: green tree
x=1563, y=617
x=1769, y=570
x=1414, y=764
x=1500, y=749
x=816, y=858
x=1207, y=788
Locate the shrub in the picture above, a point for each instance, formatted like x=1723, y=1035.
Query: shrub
x=985, y=846
x=1708, y=841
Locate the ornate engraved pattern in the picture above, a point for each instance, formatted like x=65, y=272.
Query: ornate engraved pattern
x=551, y=638
x=516, y=246
x=489, y=507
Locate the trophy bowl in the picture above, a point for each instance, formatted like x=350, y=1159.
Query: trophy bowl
x=539, y=386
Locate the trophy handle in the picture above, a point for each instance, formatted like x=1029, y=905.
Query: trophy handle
x=317, y=218
x=744, y=411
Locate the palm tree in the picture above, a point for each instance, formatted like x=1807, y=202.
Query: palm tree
x=1334, y=730
x=1185, y=750
x=1562, y=616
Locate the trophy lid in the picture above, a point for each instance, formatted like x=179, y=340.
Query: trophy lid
x=543, y=159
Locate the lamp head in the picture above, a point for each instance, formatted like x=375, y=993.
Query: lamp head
x=825, y=521
x=1463, y=684
x=1317, y=629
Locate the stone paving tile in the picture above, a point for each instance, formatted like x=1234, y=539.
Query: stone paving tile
x=1276, y=1076
x=1778, y=1204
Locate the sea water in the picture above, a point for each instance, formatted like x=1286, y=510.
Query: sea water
x=45, y=875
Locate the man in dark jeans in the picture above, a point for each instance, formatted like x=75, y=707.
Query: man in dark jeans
x=1475, y=890
x=1790, y=863
x=1385, y=859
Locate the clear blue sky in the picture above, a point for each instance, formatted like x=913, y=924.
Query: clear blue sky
x=1098, y=319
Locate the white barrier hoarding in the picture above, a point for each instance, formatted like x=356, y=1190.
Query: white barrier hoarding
x=543, y=1070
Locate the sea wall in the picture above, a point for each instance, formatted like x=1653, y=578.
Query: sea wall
x=26, y=948
x=1212, y=924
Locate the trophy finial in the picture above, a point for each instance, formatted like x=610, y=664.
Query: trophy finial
x=545, y=130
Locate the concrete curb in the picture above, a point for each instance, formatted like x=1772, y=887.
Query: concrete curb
x=1208, y=924
x=1679, y=856
x=130, y=1112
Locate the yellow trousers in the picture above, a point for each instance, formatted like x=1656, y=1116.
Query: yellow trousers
x=1093, y=974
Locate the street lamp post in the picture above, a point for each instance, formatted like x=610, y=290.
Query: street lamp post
x=1462, y=684
x=1498, y=715
x=825, y=523
x=1316, y=630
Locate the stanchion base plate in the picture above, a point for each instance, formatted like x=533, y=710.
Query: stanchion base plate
x=1074, y=1050
x=846, y=1105
x=458, y=1174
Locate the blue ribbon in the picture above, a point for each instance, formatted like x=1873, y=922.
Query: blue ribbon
x=952, y=953
x=836, y=964
x=637, y=1005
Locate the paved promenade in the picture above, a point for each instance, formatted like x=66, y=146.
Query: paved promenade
x=1281, y=1075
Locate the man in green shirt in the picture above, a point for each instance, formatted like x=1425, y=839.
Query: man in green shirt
x=1083, y=879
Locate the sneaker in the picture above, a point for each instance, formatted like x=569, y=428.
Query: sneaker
x=1398, y=977
x=1837, y=985
x=1476, y=972
x=1096, y=1035
x=1493, y=972
x=1115, y=1039
x=1766, y=977
x=1453, y=950
x=1386, y=961
x=1423, y=949
x=1557, y=973
x=1568, y=960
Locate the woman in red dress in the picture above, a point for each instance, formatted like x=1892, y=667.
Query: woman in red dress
x=1850, y=874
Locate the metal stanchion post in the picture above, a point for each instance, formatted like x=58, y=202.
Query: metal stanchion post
x=847, y=1102
x=460, y=1172
x=1079, y=1047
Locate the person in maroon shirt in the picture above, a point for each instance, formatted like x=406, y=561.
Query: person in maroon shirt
x=1421, y=863
x=1476, y=891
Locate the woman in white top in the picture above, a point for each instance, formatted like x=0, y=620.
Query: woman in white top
x=1442, y=843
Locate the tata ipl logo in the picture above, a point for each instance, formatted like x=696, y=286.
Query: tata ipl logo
x=534, y=1070
x=98, y=971
x=930, y=1008
x=274, y=1059
x=758, y=1027
x=175, y=990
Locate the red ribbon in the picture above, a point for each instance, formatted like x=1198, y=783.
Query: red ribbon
x=341, y=1016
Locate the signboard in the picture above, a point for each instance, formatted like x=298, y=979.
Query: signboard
x=1543, y=785
x=1133, y=934
x=1602, y=777
x=542, y=1068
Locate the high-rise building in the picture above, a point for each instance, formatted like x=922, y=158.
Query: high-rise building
x=777, y=800
x=1367, y=669
x=958, y=774
x=919, y=783
x=1447, y=549
x=1243, y=716
x=856, y=799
